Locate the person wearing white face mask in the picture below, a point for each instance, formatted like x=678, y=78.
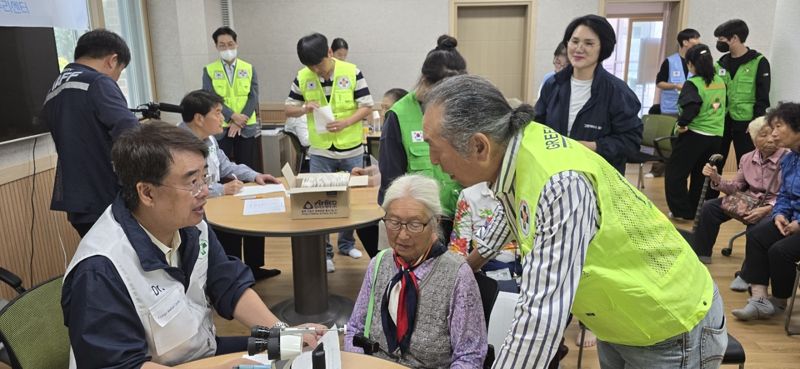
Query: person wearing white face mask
x=235, y=80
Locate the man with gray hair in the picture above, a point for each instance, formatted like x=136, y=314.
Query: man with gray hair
x=591, y=242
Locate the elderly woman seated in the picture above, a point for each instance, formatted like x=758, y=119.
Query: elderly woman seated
x=772, y=245
x=418, y=301
x=756, y=176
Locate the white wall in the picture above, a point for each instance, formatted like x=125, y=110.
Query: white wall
x=785, y=53
x=388, y=38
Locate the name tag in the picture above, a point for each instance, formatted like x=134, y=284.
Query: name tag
x=676, y=73
x=167, y=307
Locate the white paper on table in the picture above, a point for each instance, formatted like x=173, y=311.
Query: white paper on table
x=260, y=190
x=359, y=181
x=322, y=116
x=260, y=358
x=264, y=206
x=333, y=356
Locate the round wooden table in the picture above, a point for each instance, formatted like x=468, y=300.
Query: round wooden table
x=349, y=361
x=311, y=302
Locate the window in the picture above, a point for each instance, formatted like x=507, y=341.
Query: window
x=126, y=18
x=66, y=39
x=636, y=56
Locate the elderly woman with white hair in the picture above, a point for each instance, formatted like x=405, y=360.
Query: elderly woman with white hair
x=418, y=301
x=757, y=177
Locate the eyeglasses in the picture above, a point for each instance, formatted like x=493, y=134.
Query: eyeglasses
x=413, y=226
x=197, y=186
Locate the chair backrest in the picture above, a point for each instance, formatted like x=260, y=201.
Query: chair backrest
x=32, y=328
x=488, y=288
x=299, y=150
x=374, y=147
x=659, y=126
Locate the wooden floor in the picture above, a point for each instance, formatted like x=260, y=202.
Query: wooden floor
x=765, y=343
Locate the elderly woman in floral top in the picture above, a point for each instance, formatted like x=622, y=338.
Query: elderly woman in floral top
x=475, y=207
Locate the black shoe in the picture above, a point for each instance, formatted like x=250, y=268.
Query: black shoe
x=260, y=273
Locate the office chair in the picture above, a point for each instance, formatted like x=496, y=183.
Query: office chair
x=32, y=326
x=489, y=291
x=656, y=145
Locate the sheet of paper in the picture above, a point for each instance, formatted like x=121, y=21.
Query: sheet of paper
x=261, y=358
x=251, y=191
x=359, y=181
x=333, y=355
x=323, y=116
x=264, y=206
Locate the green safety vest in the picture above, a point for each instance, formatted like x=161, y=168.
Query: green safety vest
x=711, y=118
x=409, y=117
x=343, y=104
x=641, y=283
x=741, y=89
x=235, y=95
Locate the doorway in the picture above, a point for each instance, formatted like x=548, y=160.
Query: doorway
x=494, y=40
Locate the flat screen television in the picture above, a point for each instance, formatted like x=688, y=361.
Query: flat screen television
x=28, y=67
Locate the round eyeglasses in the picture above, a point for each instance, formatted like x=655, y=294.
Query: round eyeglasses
x=413, y=226
x=197, y=186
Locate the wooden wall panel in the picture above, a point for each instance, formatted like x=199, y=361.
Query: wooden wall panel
x=50, y=231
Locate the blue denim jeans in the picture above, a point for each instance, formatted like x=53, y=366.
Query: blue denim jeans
x=321, y=164
x=701, y=348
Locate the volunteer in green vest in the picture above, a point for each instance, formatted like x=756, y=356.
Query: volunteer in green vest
x=701, y=122
x=235, y=81
x=746, y=73
x=591, y=242
x=403, y=146
x=327, y=82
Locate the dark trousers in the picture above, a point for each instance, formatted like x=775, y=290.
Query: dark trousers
x=234, y=244
x=369, y=238
x=736, y=132
x=242, y=151
x=690, y=153
x=82, y=228
x=711, y=217
x=771, y=257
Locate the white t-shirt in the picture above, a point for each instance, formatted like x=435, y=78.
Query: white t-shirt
x=580, y=92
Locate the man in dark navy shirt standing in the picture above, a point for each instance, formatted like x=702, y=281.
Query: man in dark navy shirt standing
x=86, y=111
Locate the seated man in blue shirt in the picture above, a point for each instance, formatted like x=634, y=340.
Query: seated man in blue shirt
x=140, y=288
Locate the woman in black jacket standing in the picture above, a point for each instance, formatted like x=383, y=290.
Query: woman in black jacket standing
x=587, y=103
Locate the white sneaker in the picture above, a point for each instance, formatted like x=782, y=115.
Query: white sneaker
x=330, y=266
x=739, y=285
x=756, y=308
x=353, y=253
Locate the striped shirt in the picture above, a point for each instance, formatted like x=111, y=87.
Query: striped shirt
x=361, y=95
x=567, y=218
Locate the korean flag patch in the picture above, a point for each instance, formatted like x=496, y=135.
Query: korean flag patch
x=242, y=73
x=311, y=85
x=416, y=136
x=218, y=75
x=524, y=218
x=722, y=72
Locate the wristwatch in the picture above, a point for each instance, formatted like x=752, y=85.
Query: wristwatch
x=279, y=324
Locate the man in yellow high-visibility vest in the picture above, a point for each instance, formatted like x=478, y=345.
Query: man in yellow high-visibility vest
x=235, y=81
x=340, y=88
x=591, y=242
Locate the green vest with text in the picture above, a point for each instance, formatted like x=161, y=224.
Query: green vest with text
x=711, y=118
x=741, y=89
x=235, y=95
x=641, y=283
x=343, y=104
x=409, y=117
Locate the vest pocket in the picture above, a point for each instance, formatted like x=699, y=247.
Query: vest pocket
x=242, y=86
x=171, y=322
